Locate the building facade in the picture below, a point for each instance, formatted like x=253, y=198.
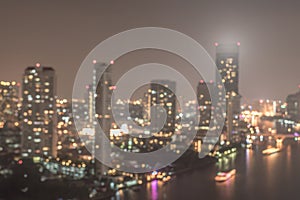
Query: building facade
x=227, y=61
x=39, y=135
x=162, y=92
x=101, y=102
x=293, y=106
x=204, y=105
x=9, y=99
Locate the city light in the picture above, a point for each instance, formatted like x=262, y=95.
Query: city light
x=108, y=135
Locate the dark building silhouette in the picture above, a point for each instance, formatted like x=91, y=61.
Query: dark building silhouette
x=293, y=106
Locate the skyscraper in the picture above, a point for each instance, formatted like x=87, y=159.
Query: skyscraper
x=80, y=112
x=204, y=105
x=9, y=99
x=293, y=106
x=161, y=93
x=102, y=89
x=9, y=117
x=39, y=113
x=227, y=61
x=66, y=132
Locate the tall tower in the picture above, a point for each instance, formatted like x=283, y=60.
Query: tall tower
x=227, y=61
x=204, y=104
x=39, y=112
x=161, y=93
x=293, y=106
x=9, y=99
x=102, y=89
x=9, y=118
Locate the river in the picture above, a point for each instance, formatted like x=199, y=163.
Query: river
x=258, y=177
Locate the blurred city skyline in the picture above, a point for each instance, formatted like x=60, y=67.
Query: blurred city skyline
x=165, y=141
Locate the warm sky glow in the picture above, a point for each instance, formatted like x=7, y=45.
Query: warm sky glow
x=61, y=33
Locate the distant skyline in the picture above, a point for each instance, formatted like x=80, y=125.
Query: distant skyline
x=61, y=33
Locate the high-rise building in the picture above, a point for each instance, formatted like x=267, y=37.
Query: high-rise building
x=204, y=105
x=9, y=118
x=9, y=99
x=136, y=111
x=293, y=106
x=39, y=112
x=161, y=93
x=89, y=99
x=227, y=61
x=209, y=115
x=66, y=131
x=10, y=140
x=102, y=89
x=80, y=112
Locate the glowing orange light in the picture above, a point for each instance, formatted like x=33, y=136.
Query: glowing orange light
x=113, y=87
x=20, y=162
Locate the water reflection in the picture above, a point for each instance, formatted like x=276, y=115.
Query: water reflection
x=154, y=188
x=271, y=176
x=226, y=163
x=258, y=177
x=226, y=189
x=289, y=161
x=248, y=156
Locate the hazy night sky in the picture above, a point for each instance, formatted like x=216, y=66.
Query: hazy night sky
x=61, y=33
